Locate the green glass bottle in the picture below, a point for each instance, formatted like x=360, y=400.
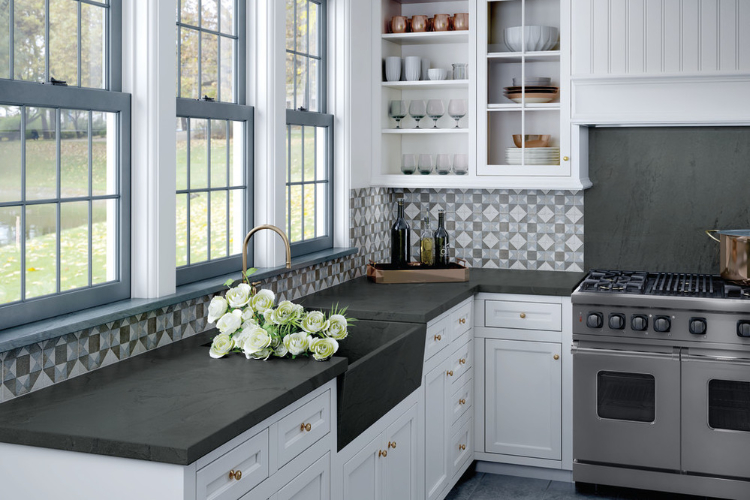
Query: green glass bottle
x=426, y=242
x=442, y=242
x=400, y=239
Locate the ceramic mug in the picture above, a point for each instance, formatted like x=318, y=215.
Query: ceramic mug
x=398, y=24
x=442, y=22
x=419, y=24
x=461, y=21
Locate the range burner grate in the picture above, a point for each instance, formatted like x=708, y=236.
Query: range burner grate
x=666, y=284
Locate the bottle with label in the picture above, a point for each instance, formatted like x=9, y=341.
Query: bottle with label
x=400, y=239
x=442, y=243
x=426, y=242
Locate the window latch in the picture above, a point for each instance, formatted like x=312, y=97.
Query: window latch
x=207, y=99
x=61, y=83
x=302, y=108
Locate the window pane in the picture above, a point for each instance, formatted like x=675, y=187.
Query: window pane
x=322, y=210
x=41, y=154
x=209, y=67
x=227, y=17
x=218, y=153
x=92, y=46
x=209, y=14
x=301, y=31
x=29, y=46
x=295, y=154
x=309, y=172
x=295, y=217
x=290, y=24
x=218, y=224
x=314, y=32
x=309, y=211
x=74, y=245
x=227, y=69
x=74, y=154
x=314, y=80
x=301, y=82
x=198, y=227
x=104, y=152
x=104, y=241
x=290, y=82
x=237, y=154
x=4, y=46
x=198, y=153
x=190, y=12
x=41, y=250
x=321, y=154
x=189, y=78
x=182, y=153
x=182, y=219
x=236, y=221
x=63, y=43
x=10, y=152
x=10, y=254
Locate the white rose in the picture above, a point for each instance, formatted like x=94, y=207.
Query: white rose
x=230, y=322
x=239, y=296
x=243, y=334
x=297, y=343
x=314, y=322
x=263, y=354
x=217, y=308
x=280, y=350
x=221, y=346
x=248, y=315
x=286, y=313
x=268, y=316
x=323, y=349
x=337, y=327
x=257, y=340
x=263, y=300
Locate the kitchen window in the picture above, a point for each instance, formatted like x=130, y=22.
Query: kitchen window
x=309, y=129
x=214, y=139
x=64, y=144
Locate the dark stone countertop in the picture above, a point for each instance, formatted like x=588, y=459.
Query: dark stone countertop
x=174, y=404
x=420, y=303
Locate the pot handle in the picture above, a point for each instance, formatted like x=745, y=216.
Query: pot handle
x=709, y=231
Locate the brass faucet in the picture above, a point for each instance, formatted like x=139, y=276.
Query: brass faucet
x=255, y=230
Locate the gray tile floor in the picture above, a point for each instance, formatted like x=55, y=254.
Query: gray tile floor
x=480, y=486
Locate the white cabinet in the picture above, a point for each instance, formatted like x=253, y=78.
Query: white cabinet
x=437, y=422
x=236, y=472
x=523, y=404
x=314, y=483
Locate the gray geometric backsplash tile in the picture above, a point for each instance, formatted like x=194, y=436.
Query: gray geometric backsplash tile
x=488, y=228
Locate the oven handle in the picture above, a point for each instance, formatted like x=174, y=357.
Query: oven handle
x=694, y=356
x=574, y=349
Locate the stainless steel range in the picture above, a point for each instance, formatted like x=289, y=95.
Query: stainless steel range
x=661, y=371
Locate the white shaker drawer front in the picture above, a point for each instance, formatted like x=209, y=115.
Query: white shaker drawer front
x=303, y=427
x=461, y=319
x=438, y=337
x=523, y=315
x=461, y=448
x=235, y=473
x=461, y=361
x=462, y=399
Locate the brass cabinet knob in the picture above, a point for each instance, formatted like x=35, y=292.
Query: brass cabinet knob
x=462, y=401
x=523, y=315
x=235, y=474
x=556, y=357
x=438, y=338
x=382, y=453
x=565, y=158
x=462, y=447
x=462, y=361
x=392, y=444
x=462, y=321
x=450, y=373
x=305, y=427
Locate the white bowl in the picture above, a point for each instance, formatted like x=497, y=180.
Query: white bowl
x=538, y=38
x=437, y=73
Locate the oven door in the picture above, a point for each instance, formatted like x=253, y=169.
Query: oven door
x=626, y=407
x=716, y=413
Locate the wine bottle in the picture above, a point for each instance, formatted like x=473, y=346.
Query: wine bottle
x=441, y=241
x=426, y=243
x=400, y=239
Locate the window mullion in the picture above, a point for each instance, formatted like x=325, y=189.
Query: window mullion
x=91, y=194
x=187, y=196
x=58, y=136
x=200, y=52
x=80, y=50
x=23, y=201
x=229, y=183
x=208, y=193
x=46, y=44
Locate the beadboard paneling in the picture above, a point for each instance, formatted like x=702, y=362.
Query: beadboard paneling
x=660, y=36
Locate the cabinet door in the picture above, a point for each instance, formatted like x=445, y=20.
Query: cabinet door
x=437, y=388
x=400, y=465
x=313, y=484
x=523, y=400
x=362, y=476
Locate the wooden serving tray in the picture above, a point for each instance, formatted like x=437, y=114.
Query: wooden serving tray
x=417, y=273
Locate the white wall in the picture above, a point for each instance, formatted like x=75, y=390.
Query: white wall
x=362, y=82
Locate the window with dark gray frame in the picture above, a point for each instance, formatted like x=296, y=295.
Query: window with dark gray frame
x=309, y=134
x=214, y=139
x=65, y=149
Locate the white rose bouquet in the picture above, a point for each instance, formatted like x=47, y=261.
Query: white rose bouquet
x=250, y=324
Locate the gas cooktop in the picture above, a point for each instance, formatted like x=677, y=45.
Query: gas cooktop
x=662, y=284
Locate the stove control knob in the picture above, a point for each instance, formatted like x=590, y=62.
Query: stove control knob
x=662, y=324
x=698, y=326
x=617, y=321
x=639, y=322
x=743, y=328
x=594, y=320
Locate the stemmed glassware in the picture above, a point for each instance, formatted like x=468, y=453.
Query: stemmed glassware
x=457, y=109
x=435, y=110
x=417, y=110
x=397, y=111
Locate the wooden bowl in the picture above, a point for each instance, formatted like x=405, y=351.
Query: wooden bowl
x=532, y=141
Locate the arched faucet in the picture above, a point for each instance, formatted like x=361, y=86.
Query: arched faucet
x=255, y=230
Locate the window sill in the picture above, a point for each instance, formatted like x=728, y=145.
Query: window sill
x=40, y=331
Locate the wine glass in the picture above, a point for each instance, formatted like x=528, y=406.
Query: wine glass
x=397, y=111
x=435, y=110
x=443, y=164
x=408, y=163
x=457, y=109
x=425, y=164
x=418, y=110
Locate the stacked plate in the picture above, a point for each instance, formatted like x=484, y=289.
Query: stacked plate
x=534, y=156
x=534, y=93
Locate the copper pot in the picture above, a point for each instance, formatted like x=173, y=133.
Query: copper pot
x=419, y=24
x=735, y=254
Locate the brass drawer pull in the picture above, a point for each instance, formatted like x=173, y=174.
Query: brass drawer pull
x=392, y=444
x=305, y=427
x=438, y=338
x=235, y=474
x=462, y=361
x=462, y=321
x=382, y=453
x=462, y=401
x=450, y=373
x=556, y=357
x=523, y=315
x=462, y=447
